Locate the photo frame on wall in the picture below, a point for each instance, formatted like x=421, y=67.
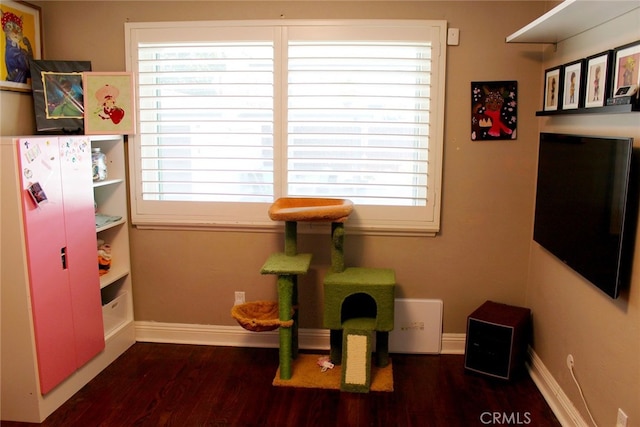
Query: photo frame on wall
x=598, y=73
x=58, y=97
x=22, y=27
x=109, y=103
x=572, y=85
x=626, y=66
x=494, y=110
x=552, y=89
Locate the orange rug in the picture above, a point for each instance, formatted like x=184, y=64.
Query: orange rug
x=307, y=374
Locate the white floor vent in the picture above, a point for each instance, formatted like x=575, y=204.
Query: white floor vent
x=417, y=326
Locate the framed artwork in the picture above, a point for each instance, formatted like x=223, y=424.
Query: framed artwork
x=58, y=97
x=109, y=103
x=598, y=72
x=626, y=65
x=22, y=29
x=572, y=85
x=494, y=110
x=552, y=89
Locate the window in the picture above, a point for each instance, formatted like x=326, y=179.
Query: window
x=232, y=115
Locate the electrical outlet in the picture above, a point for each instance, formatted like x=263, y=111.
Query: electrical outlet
x=239, y=297
x=622, y=419
x=570, y=361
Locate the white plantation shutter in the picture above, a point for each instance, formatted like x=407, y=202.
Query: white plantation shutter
x=206, y=121
x=235, y=114
x=359, y=121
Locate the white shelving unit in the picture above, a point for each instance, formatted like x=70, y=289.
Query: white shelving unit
x=110, y=197
x=570, y=18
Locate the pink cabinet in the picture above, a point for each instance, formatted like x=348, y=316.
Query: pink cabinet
x=52, y=339
x=59, y=231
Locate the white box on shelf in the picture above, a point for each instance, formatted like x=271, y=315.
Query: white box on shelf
x=114, y=313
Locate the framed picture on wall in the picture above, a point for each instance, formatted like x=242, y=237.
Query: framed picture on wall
x=22, y=30
x=58, y=96
x=572, y=85
x=626, y=66
x=552, y=89
x=598, y=73
x=109, y=103
x=494, y=110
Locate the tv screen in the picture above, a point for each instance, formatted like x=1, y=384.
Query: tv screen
x=585, y=211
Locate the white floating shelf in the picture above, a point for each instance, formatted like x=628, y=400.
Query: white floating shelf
x=570, y=18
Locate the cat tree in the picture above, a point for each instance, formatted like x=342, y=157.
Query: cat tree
x=358, y=301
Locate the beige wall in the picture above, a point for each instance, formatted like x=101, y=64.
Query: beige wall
x=571, y=315
x=483, y=250
x=16, y=113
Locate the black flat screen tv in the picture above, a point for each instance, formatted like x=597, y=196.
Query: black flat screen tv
x=587, y=206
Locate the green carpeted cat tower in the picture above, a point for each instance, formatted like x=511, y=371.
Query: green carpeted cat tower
x=359, y=302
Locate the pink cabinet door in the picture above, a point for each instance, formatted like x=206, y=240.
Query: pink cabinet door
x=82, y=259
x=46, y=246
x=61, y=311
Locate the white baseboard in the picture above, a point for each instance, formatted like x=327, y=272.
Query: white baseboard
x=453, y=343
x=236, y=336
x=557, y=400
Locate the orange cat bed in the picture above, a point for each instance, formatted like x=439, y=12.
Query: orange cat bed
x=310, y=209
x=259, y=316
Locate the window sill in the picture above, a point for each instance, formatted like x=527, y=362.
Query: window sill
x=303, y=228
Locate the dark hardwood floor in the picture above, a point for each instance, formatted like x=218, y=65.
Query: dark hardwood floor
x=189, y=385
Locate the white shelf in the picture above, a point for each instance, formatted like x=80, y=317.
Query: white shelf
x=107, y=182
x=111, y=225
x=570, y=18
x=110, y=197
x=105, y=137
x=114, y=274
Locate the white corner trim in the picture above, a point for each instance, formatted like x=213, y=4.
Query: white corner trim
x=236, y=336
x=556, y=398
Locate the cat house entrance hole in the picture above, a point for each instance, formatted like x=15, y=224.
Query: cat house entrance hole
x=358, y=305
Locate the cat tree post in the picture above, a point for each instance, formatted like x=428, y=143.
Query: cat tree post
x=287, y=268
x=337, y=247
x=290, y=238
x=285, y=305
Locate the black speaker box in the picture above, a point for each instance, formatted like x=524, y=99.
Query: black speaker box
x=497, y=339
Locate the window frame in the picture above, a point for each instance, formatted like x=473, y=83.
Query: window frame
x=170, y=215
